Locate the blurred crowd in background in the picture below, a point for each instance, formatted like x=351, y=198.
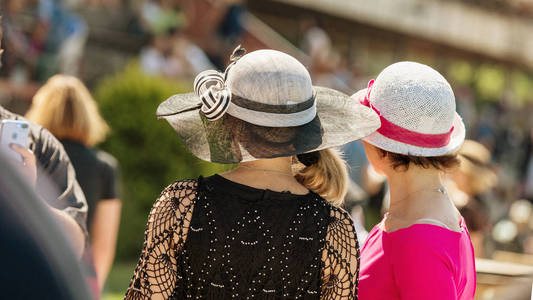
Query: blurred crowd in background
x=45, y=37
x=177, y=39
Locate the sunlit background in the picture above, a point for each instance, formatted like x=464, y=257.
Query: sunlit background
x=133, y=54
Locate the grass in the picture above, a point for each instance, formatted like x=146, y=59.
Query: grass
x=107, y=296
x=118, y=280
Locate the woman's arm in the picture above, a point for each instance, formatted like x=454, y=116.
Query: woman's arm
x=340, y=258
x=57, y=185
x=155, y=276
x=104, y=231
x=66, y=222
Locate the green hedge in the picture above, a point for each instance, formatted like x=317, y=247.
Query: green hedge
x=150, y=153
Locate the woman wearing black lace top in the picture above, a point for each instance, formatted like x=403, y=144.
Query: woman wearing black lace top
x=272, y=228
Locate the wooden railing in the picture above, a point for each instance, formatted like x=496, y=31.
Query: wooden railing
x=497, y=280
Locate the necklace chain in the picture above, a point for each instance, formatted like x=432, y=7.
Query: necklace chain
x=266, y=170
x=440, y=190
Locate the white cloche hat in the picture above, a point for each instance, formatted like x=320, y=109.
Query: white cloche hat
x=416, y=106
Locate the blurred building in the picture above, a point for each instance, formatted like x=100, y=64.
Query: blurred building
x=435, y=29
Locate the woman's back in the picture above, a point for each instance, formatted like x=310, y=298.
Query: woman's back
x=97, y=174
x=233, y=236
x=420, y=261
x=215, y=238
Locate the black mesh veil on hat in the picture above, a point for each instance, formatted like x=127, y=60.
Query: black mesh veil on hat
x=263, y=106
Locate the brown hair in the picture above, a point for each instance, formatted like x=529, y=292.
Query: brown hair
x=66, y=108
x=327, y=177
x=401, y=161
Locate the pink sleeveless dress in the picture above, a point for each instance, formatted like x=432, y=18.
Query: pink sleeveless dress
x=419, y=262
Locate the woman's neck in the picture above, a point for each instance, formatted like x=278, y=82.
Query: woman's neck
x=274, y=174
x=417, y=194
x=280, y=165
x=408, y=188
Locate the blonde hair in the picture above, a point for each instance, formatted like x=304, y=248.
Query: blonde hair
x=66, y=108
x=327, y=177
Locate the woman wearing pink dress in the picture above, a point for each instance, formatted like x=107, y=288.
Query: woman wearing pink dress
x=421, y=249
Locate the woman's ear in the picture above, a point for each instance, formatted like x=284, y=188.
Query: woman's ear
x=377, y=158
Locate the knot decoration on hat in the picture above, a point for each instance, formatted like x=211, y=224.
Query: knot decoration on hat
x=211, y=87
x=416, y=107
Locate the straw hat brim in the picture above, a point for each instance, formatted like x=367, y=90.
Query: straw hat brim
x=228, y=140
x=456, y=140
x=481, y=178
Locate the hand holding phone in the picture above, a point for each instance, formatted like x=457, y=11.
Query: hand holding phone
x=13, y=142
x=14, y=132
x=28, y=167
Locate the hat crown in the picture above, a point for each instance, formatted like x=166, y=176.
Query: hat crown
x=270, y=77
x=415, y=97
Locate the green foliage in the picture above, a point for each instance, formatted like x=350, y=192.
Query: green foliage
x=490, y=82
x=461, y=72
x=522, y=86
x=150, y=153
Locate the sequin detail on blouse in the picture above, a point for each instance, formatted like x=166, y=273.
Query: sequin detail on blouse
x=208, y=240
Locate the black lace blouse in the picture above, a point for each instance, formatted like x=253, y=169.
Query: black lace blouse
x=212, y=238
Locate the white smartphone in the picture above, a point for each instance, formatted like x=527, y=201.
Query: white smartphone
x=14, y=132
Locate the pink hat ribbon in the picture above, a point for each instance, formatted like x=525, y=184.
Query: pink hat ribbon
x=406, y=136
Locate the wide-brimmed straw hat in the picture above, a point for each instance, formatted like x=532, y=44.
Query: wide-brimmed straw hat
x=263, y=106
x=476, y=165
x=416, y=106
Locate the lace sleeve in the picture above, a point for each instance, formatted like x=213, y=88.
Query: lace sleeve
x=340, y=258
x=156, y=272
